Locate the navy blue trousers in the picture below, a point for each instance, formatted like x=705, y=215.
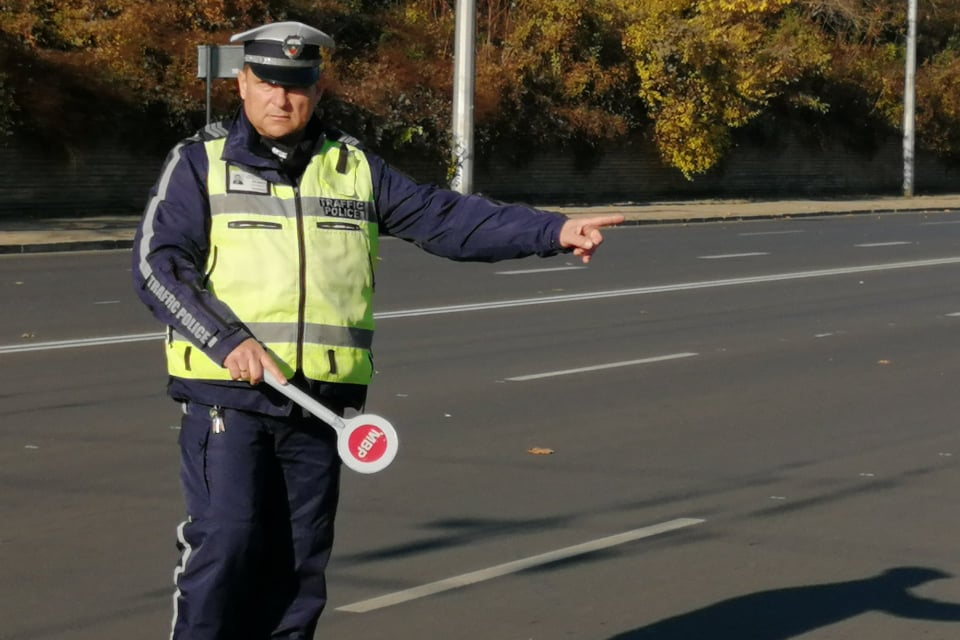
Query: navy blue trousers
x=261, y=497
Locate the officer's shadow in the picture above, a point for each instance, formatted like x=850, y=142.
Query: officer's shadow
x=787, y=613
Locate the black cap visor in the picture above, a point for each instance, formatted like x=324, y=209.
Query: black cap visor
x=286, y=76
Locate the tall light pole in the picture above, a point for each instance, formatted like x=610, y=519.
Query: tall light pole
x=909, y=93
x=463, y=95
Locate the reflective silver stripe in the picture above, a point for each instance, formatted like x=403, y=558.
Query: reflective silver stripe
x=338, y=336
x=313, y=334
x=150, y=215
x=240, y=203
x=280, y=62
x=181, y=566
x=268, y=205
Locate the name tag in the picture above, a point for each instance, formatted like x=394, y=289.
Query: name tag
x=242, y=181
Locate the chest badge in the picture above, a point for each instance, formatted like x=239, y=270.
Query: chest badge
x=241, y=181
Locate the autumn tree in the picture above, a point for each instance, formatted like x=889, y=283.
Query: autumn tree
x=707, y=67
x=547, y=72
x=561, y=74
x=102, y=62
x=688, y=73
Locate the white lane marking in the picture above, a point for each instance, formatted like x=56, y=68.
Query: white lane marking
x=83, y=342
x=599, y=367
x=667, y=288
x=770, y=233
x=108, y=302
x=524, y=302
x=868, y=245
x=954, y=315
x=507, y=568
x=724, y=256
x=517, y=272
x=927, y=224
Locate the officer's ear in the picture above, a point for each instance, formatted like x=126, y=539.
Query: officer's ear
x=242, y=81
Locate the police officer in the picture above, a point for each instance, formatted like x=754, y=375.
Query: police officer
x=257, y=250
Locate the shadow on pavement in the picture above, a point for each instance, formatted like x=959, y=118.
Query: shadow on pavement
x=781, y=614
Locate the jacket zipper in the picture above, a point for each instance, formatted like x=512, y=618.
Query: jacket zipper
x=301, y=248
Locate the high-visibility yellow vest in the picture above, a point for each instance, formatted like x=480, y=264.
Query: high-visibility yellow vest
x=296, y=264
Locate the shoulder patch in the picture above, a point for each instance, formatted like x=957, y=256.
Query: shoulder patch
x=212, y=131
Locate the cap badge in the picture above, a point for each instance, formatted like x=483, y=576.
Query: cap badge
x=293, y=47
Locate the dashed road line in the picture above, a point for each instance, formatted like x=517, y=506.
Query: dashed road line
x=520, y=272
x=868, y=245
x=724, y=256
x=599, y=367
x=770, y=233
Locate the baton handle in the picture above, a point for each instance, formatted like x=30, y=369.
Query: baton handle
x=304, y=400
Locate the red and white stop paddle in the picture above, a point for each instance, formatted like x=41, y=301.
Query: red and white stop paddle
x=367, y=443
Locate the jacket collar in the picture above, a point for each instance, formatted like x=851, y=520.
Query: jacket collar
x=245, y=146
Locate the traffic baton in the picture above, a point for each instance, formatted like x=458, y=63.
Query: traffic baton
x=367, y=443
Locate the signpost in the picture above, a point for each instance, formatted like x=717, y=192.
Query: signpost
x=218, y=61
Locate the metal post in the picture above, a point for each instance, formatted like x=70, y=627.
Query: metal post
x=463, y=95
x=209, y=54
x=908, y=98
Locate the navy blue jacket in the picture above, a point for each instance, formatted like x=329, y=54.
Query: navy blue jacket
x=172, y=241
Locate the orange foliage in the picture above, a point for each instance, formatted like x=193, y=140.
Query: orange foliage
x=548, y=72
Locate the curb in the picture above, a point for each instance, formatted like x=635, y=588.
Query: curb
x=738, y=217
x=61, y=247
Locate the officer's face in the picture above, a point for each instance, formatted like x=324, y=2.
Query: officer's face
x=276, y=111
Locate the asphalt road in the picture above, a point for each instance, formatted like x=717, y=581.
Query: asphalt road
x=753, y=428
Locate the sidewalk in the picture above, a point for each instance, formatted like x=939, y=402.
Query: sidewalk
x=116, y=232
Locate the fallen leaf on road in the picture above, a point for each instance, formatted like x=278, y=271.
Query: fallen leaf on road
x=540, y=451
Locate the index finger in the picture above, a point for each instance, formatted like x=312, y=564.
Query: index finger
x=616, y=218
x=604, y=221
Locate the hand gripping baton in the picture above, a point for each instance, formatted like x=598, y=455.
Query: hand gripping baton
x=367, y=443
